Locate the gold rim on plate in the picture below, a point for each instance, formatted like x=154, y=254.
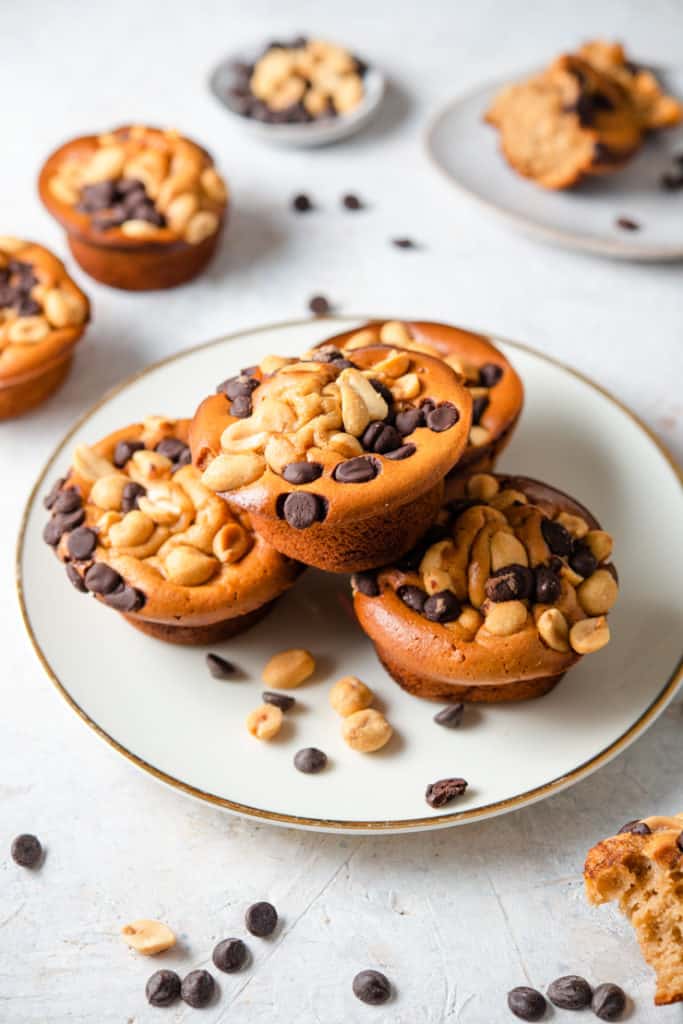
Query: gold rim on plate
x=653, y=710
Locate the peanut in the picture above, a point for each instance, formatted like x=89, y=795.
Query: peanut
x=229, y=472
x=279, y=452
x=482, y=485
x=89, y=465
x=189, y=567
x=288, y=669
x=373, y=401
x=179, y=211
x=394, y=332
x=349, y=694
x=213, y=185
x=201, y=226
x=27, y=330
x=600, y=544
x=589, y=635
x=504, y=499
x=576, y=525
x=63, y=309
x=396, y=364
x=147, y=467
x=148, y=937
x=265, y=722
x=598, y=593
x=230, y=543
x=506, y=618
x=107, y=491
x=479, y=436
x=346, y=444
x=134, y=529
x=361, y=339
x=507, y=550
x=139, y=229
x=470, y=620
x=355, y=414
x=105, y=164
x=366, y=730
x=553, y=629
x=63, y=191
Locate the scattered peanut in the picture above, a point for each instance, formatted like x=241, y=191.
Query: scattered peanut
x=366, y=730
x=349, y=694
x=148, y=937
x=265, y=722
x=288, y=669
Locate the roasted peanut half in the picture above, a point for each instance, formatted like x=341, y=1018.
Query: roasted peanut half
x=366, y=730
x=148, y=937
x=598, y=593
x=265, y=722
x=288, y=669
x=506, y=618
x=507, y=550
x=482, y=485
x=576, y=525
x=589, y=635
x=394, y=332
x=553, y=629
x=349, y=694
x=600, y=544
x=89, y=465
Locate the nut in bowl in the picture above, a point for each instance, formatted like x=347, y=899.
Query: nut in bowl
x=142, y=208
x=43, y=314
x=136, y=528
x=309, y=448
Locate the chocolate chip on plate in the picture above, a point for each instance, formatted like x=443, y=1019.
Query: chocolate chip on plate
x=163, y=988
x=102, y=579
x=310, y=760
x=412, y=596
x=131, y=492
x=403, y=243
x=280, y=700
x=365, y=583
x=570, y=992
x=358, y=470
x=230, y=955
x=582, y=559
x=548, y=585
x=26, y=850
x=125, y=599
x=511, y=583
x=197, y=989
x=443, y=417
x=490, y=374
x=320, y=305
x=302, y=203
x=450, y=717
x=441, y=792
x=74, y=577
x=352, y=202
x=81, y=543
x=442, y=607
x=301, y=509
x=609, y=1002
x=408, y=421
x=220, y=668
x=526, y=1003
x=124, y=451
x=627, y=223
x=261, y=919
x=371, y=987
x=636, y=828
x=556, y=537
x=302, y=472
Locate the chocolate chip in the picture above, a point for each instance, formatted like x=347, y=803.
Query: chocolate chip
x=220, y=668
x=365, y=583
x=61, y=523
x=440, y=793
x=442, y=607
x=28, y=307
x=413, y=597
x=636, y=828
x=230, y=955
x=443, y=417
x=628, y=225
x=302, y=472
x=241, y=407
x=261, y=919
x=526, y=1003
x=52, y=495
x=302, y=203
x=403, y=243
x=52, y=532
x=68, y=500
x=679, y=841
x=124, y=451
x=383, y=390
x=582, y=559
x=174, y=449
x=358, y=470
x=548, y=585
x=609, y=1002
x=301, y=509
x=234, y=387
x=511, y=583
x=131, y=492
x=81, y=543
x=74, y=577
x=279, y=700
x=319, y=305
x=102, y=579
x=404, y=452
x=163, y=988
x=352, y=202
x=556, y=537
x=26, y=850
x=371, y=987
x=96, y=197
x=148, y=212
x=124, y=186
x=343, y=364
x=671, y=181
x=328, y=354
x=490, y=374
x=197, y=989
x=479, y=407
x=310, y=760
x=409, y=420
x=570, y=992
x=381, y=438
x=450, y=717
x=127, y=599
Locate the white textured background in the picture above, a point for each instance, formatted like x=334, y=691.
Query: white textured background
x=455, y=918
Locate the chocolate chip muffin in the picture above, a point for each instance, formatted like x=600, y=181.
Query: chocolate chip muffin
x=143, y=208
x=655, y=109
x=340, y=462
x=506, y=592
x=641, y=868
x=496, y=389
x=43, y=314
x=581, y=116
x=135, y=526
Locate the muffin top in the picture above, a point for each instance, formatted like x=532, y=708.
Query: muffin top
x=513, y=583
x=330, y=439
x=137, y=528
x=42, y=311
x=134, y=185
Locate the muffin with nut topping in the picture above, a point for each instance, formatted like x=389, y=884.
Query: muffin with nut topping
x=340, y=462
x=508, y=591
x=43, y=314
x=496, y=388
x=142, y=208
x=134, y=525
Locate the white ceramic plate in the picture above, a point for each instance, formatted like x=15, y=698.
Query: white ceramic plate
x=157, y=704
x=314, y=133
x=466, y=150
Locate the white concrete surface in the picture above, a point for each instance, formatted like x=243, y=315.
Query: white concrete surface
x=457, y=918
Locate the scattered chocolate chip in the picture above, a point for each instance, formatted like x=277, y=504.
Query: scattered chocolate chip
x=365, y=583
x=241, y=407
x=479, y=407
x=383, y=390
x=440, y=793
x=403, y=243
x=52, y=495
x=131, y=492
x=582, y=559
x=409, y=420
x=570, y=992
x=450, y=717
x=102, y=579
x=230, y=955
x=124, y=451
x=310, y=760
x=358, y=470
x=126, y=599
x=163, y=988
x=320, y=305
x=556, y=537
x=74, y=577
x=371, y=987
x=352, y=202
x=381, y=438
x=636, y=827
x=26, y=850
x=279, y=700
x=609, y=1002
x=261, y=919
x=511, y=583
x=302, y=203
x=443, y=417
x=174, y=449
x=672, y=181
x=301, y=509
x=68, y=500
x=197, y=989
x=302, y=472
x=548, y=585
x=404, y=452
x=490, y=374
x=627, y=224
x=81, y=543
x=526, y=1003
x=220, y=668
x=413, y=597
x=442, y=607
